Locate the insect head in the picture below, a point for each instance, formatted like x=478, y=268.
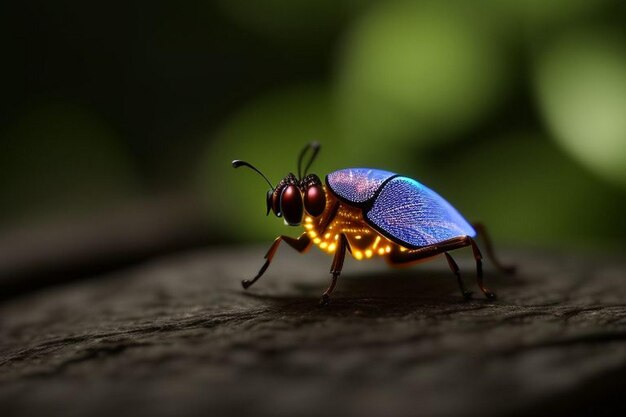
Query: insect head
x=293, y=195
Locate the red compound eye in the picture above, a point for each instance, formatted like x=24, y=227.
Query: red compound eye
x=291, y=205
x=315, y=200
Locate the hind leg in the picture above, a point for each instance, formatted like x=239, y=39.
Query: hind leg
x=479, y=271
x=482, y=232
x=399, y=257
x=455, y=270
x=404, y=257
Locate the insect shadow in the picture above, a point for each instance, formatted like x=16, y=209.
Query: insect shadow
x=392, y=291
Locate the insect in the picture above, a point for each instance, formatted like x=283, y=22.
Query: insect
x=367, y=213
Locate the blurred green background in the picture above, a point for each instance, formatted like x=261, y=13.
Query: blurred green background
x=515, y=111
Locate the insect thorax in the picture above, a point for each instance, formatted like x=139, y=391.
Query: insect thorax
x=364, y=241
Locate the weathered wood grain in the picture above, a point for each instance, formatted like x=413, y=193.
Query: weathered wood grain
x=180, y=336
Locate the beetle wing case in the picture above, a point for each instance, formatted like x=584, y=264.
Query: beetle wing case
x=415, y=215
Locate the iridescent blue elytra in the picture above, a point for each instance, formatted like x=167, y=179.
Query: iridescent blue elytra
x=399, y=207
x=367, y=213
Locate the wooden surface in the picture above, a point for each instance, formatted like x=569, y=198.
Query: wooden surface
x=180, y=336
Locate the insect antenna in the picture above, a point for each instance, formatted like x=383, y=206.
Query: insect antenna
x=237, y=163
x=315, y=146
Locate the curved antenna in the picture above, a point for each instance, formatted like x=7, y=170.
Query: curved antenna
x=315, y=146
x=237, y=163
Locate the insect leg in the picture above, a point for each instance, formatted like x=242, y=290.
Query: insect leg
x=455, y=269
x=301, y=244
x=482, y=232
x=335, y=269
x=398, y=257
x=479, y=271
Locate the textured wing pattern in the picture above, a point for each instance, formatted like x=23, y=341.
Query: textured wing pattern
x=357, y=185
x=416, y=215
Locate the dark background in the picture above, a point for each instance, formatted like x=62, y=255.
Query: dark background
x=118, y=121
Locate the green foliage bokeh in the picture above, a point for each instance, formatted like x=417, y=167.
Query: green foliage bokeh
x=512, y=109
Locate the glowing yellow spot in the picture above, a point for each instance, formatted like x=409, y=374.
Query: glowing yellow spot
x=402, y=249
x=358, y=254
x=331, y=247
x=327, y=235
x=357, y=237
x=308, y=219
x=381, y=251
x=312, y=233
x=368, y=253
x=336, y=237
x=317, y=240
x=323, y=245
x=308, y=226
x=376, y=242
x=388, y=249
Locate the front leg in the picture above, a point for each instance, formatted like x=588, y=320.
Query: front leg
x=301, y=244
x=335, y=269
